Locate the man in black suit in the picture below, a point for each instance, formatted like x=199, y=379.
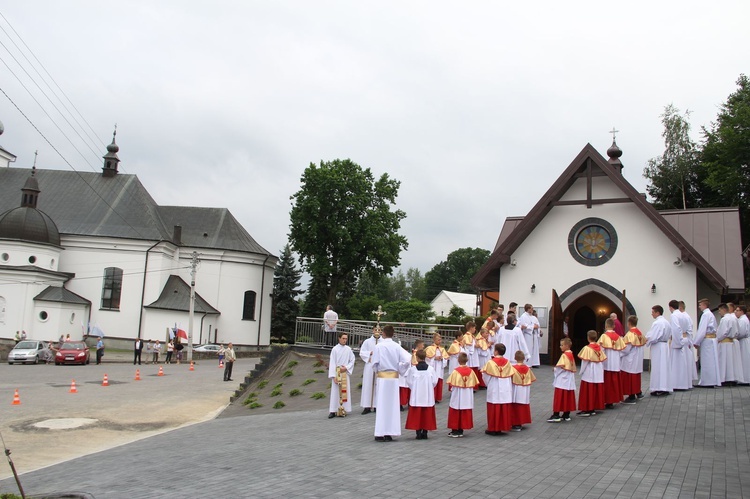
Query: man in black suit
x=137, y=350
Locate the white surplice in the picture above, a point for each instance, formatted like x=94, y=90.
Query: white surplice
x=535, y=341
x=657, y=338
x=389, y=357
x=422, y=386
x=341, y=355
x=743, y=340
x=526, y=325
x=726, y=332
x=681, y=355
x=708, y=350
x=513, y=340
x=368, y=399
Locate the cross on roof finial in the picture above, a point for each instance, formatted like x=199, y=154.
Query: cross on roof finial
x=115, y=132
x=613, y=132
x=33, y=167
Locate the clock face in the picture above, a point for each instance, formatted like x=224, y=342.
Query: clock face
x=592, y=242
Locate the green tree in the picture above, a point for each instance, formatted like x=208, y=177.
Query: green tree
x=675, y=176
x=286, y=279
x=342, y=224
x=416, y=284
x=414, y=311
x=455, y=273
x=726, y=153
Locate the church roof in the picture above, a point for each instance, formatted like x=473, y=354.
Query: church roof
x=88, y=204
x=176, y=296
x=25, y=223
x=587, y=164
x=61, y=295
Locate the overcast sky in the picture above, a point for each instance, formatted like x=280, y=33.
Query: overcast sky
x=476, y=107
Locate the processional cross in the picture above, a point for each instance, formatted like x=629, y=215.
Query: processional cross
x=613, y=132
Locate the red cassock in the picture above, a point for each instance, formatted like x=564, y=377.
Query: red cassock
x=520, y=414
x=612, y=387
x=403, y=394
x=591, y=397
x=439, y=390
x=421, y=418
x=564, y=400
x=631, y=383
x=498, y=417
x=460, y=419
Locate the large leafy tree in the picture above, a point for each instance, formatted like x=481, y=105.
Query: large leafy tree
x=286, y=279
x=726, y=153
x=675, y=179
x=455, y=273
x=343, y=223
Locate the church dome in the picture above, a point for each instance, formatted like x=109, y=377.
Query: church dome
x=28, y=224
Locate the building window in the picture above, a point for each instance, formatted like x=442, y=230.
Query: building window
x=6, y=257
x=32, y=259
x=43, y=316
x=111, y=288
x=248, y=308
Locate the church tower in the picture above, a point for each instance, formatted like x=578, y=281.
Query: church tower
x=110, y=159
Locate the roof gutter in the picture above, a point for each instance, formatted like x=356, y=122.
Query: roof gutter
x=143, y=288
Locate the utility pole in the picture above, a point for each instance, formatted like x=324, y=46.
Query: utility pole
x=191, y=311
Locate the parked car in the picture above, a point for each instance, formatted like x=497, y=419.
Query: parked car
x=207, y=348
x=72, y=352
x=29, y=352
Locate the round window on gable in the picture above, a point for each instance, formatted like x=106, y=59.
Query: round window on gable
x=32, y=259
x=5, y=257
x=43, y=316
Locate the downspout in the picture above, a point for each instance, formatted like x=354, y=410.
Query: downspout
x=143, y=289
x=262, y=288
x=200, y=333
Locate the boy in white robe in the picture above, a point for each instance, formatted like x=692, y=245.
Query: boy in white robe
x=526, y=323
x=368, y=400
x=657, y=338
x=520, y=409
x=498, y=374
x=388, y=360
x=612, y=344
x=739, y=374
x=725, y=338
x=461, y=411
x=341, y=362
x=564, y=400
x=437, y=358
x=421, y=379
x=681, y=356
x=536, y=336
x=591, y=394
x=483, y=349
x=469, y=345
x=705, y=340
x=403, y=387
x=743, y=339
x=453, y=350
x=512, y=337
x=631, y=362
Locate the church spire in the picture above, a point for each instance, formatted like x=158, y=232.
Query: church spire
x=614, y=152
x=110, y=159
x=30, y=190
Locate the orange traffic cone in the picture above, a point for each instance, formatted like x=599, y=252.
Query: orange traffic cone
x=221, y=363
x=16, y=398
x=161, y=371
x=73, y=388
x=137, y=374
x=191, y=366
x=105, y=381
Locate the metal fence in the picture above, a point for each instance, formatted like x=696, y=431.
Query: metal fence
x=309, y=331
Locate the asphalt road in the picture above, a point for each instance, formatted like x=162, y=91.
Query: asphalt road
x=125, y=411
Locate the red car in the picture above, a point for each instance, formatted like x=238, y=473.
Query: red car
x=72, y=352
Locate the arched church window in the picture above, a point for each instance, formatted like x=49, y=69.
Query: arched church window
x=592, y=241
x=111, y=288
x=248, y=306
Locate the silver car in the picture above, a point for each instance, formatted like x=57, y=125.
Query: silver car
x=29, y=352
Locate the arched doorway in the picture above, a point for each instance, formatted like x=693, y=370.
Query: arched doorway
x=588, y=312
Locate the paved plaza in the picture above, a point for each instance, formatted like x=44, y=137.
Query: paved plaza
x=690, y=444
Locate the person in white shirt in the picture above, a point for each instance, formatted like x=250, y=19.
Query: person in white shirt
x=330, y=320
x=368, y=400
x=657, y=338
x=725, y=335
x=743, y=339
x=705, y=341
x=389, y=360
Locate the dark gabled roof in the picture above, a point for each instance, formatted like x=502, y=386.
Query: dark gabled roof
x=508, y=227
x=591, y=162
x=38, y=270
x=221, y=229
x=59, y=294
x=176, y=296
x=76, y=203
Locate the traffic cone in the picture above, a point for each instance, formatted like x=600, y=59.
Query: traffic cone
x=73, y=388
x=161, y=371
x=137, y=374
x=105, y=381
x=221, y=363
x=16, y=398
x=192, y=368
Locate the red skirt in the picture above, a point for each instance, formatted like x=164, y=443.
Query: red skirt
x=439, y=390
x=591, y=397
x=460, y=419
x=564, y=400
x=520, y=414
x=612, y=387
x=404, y=393
x=631, y=383
x=421, y=418
x=498, y=417
x=479, y=376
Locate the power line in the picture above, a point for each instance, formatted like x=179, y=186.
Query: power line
x=6, y=282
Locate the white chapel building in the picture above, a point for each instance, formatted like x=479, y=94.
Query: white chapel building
x=593, y=245
x=83, y=249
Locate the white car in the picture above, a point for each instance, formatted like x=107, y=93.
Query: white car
x=29, y=352
x=207, y=348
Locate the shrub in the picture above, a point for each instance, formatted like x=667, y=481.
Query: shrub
x=279, y=385
x=320, y=371
x=308, y=381
x=250, y=398
x=287, y=373
x=279, y=404
x=276, y=392
x=295, y=392
x=292, y=363
x=255, y=405
x=318, y=395
x=318, y=363
x=263, y=384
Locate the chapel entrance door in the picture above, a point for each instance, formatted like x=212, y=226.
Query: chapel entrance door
x=588, y=312
x=555, y=329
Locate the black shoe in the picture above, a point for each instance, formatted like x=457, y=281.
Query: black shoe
x=554, y=419
x=331, y=415
x=230, y=379
x=366, y=411
x=402, y=408
x=566, y=417
x=630, y=400
x=388, y=438
x=639, y=395
x=609, y=406
x=585, y=414
x=380, y=439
